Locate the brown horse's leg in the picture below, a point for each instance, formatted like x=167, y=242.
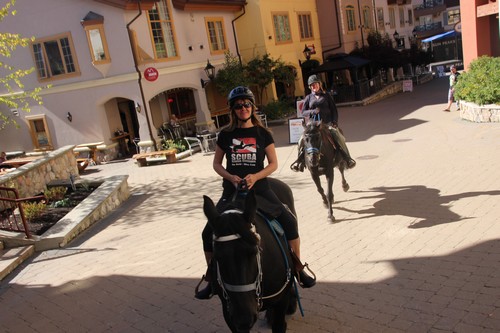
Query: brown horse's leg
x=317, y=181
x=329, y=178
x=345, y=185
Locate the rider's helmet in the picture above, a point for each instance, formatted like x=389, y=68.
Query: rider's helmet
x=240, y=92
x=312, y=79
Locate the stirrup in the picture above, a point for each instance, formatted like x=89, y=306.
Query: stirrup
x=312, y=281
x=204, y=293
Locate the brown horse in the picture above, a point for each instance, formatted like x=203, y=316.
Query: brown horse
x=321, y=157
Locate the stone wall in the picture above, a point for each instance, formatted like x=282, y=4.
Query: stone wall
x=479, y=114
x=32, y=178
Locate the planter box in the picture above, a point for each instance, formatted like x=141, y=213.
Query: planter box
x=479, y=113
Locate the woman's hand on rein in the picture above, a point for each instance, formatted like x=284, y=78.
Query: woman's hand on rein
x=251, y=180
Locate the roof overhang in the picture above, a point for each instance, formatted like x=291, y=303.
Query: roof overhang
x=129, y=4
x=209, y=5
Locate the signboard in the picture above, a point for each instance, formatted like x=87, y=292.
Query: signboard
x=407, y=85
x=295, y=129
x=458, y=27
x=151, y=74
x=300, y=107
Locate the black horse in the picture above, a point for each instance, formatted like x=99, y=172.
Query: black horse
x=321, y=157
x=252, y=268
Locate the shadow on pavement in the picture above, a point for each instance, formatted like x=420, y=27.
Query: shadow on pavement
x=450, y=293
x=421, y=202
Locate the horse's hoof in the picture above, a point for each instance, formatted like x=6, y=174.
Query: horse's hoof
x=346, y=187
x=331, y=219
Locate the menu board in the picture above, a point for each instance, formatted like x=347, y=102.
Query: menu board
x=295, y=129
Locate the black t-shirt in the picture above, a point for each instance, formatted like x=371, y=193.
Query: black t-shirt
x=244, y=149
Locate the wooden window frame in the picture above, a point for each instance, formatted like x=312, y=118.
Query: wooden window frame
x=380, y=18
x=102, y=35
x=367, y=17
x=162, y=22
x=350, y=18
x=41, y=59
x=305, y=26
x=401, y=17
x=222, y=46
x=392, y=18
x=287, y=33
x=33, y=132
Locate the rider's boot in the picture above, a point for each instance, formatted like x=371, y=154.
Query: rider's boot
x=351, y=163
x=303, y=278
x=339, y=140
x=207, y=292
x=299, y=163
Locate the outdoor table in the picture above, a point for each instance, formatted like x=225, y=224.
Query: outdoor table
x=17, y=162
x=93, y=148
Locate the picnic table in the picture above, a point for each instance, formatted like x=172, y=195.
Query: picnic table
x=17, y=162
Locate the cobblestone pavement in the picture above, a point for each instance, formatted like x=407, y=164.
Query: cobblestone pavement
x=415, y=248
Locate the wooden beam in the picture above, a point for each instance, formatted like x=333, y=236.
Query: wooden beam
x=487, y=10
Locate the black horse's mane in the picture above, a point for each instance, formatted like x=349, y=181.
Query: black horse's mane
x=235, y=223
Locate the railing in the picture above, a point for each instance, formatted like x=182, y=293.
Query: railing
x=12, y=216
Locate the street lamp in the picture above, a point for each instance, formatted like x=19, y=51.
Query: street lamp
x=307, y=52
x=210, y=72
x=396, y=36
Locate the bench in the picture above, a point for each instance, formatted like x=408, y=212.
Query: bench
x=167, y=156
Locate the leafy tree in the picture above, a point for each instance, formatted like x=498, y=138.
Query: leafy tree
x=260, y=73
x=14, y=96
x=231, y=75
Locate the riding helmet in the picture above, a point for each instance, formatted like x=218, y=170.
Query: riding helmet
x=240, y=92
x=312, y=79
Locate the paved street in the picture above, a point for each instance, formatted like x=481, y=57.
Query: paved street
x=415, y=248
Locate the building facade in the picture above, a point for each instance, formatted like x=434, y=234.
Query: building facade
x=116, y=66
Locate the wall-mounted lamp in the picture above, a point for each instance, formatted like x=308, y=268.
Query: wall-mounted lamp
x=137, y=107
x=307, y=52
x=210, y=72
x=69, y=116
x=190, y=48
x=396, y=35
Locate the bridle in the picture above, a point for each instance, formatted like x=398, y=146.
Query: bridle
x=241, y=288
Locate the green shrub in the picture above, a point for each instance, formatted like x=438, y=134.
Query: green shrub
x=278, y=110
x=55, y=193
x=179, y=144
x=481, y=83
x=33, y=210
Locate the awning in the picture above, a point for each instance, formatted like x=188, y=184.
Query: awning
x=340, y=62
x=451, y=33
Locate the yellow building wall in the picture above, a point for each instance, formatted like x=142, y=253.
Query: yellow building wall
x=255, y=31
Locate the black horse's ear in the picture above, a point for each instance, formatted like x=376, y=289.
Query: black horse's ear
x=250, y=207
x=209, y=208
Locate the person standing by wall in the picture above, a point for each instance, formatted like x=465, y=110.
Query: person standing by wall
x=454, y=74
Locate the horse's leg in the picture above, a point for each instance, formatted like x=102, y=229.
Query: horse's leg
x=329, y=178
x=345, y=185
x=317, y=181
x=279, y=312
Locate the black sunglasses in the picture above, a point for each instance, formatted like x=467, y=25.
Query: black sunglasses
x=240, y=106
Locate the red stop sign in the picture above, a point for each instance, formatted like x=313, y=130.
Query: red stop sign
x=151, y=74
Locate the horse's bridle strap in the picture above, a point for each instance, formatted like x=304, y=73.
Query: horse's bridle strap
x=227, y=238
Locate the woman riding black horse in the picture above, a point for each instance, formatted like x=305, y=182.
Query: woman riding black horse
x=246, y=144
x=319, y=104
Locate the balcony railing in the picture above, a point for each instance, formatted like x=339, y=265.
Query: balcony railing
x=429, y=8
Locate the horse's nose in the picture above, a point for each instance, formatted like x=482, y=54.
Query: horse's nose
x=245, y=324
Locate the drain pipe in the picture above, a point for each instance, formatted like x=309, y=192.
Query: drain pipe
x=338, y=32
x=139, y=80
x=234, y=34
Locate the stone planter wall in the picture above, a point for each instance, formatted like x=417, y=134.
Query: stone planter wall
x=479, y=114
x=31, y=179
